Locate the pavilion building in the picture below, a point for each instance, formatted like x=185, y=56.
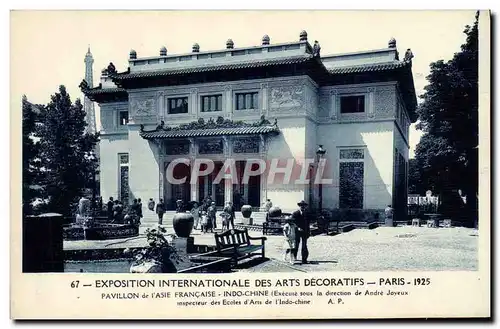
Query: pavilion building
x=273, y=101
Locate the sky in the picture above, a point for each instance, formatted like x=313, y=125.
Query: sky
x=48, y=47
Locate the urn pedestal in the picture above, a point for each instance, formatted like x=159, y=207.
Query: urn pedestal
x=181, y=260
x=247, y=221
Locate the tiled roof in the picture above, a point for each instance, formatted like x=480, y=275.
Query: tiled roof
x=99, y=91
x=218, y=67
x=209, y=132
x=367, y=67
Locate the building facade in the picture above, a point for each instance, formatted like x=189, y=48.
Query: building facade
x=264, y=104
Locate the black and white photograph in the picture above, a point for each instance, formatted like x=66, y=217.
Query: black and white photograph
x=289, y=142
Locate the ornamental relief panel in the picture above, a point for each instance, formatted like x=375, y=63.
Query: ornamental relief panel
x=324, y=105
x=312, y=100
x=246, y=145
x=143, y=108
x=384, y=103
x=215, y=146
x=107, y=120
x=177, y=147
x=287, y=97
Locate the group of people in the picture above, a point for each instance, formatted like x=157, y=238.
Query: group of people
x=205, y=216
x=118, y=213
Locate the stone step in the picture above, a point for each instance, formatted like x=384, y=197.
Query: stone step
x=151, y=217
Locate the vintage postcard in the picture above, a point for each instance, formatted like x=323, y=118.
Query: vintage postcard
x=250, y=164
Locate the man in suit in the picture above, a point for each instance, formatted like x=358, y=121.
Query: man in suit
x=303, y=230
x=229, y=209
x=212, y=215
x=110, y=209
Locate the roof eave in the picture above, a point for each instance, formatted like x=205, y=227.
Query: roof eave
x=201, y=134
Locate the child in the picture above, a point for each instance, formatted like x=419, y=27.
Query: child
x=206, y=223
x=225, y=220
x=289, y=231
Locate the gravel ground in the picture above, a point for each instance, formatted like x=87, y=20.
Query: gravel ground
x=381, y=249
x=386, y=248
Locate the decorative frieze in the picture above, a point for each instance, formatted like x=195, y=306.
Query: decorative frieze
x=246, y=145
x=215, y=146
x=287, y=97
x=385, y=103
x=312, y=100
x=143, y=107
x=107, y=120
x=177, y=147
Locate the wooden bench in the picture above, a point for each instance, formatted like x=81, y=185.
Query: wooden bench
x=237, y=244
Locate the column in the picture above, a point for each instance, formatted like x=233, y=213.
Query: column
x=167, y=192
x=228, y=102
x=333, y=100
x=161, y=106
x=371, y=110
x=192, y=156
x=264, y=99
x=115, y=118
x=228, y=183
x=193, y=106
x=228, y=190
x=263, y=178
x=161, y=168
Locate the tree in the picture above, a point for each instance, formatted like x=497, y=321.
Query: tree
x=30, y=156
x=414, y=177
x=447, y=153
x=65, y=147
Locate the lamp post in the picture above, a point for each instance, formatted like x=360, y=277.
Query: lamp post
x=91, y=156
x=319, y=154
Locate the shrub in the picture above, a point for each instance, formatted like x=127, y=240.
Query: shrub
x=158, y=251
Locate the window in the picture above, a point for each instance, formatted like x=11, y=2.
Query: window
x=247, y=101
x=124, y=178
x=352, y=104
x=351, y=178
x=211, y=103
x=123, y=118
x=178, y=105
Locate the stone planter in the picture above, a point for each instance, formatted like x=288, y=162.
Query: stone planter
x=100, y=232
x=183, y=224
x=246, y=211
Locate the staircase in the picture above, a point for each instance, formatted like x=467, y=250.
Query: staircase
x=150, y=218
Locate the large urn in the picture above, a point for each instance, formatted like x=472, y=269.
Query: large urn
x=275, y=211
x=183, y=224
x=246, y=211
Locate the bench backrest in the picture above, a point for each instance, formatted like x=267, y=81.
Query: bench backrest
x=232, y=238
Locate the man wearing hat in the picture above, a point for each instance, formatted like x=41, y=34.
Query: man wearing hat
x=303, y=230
x=212, y=215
